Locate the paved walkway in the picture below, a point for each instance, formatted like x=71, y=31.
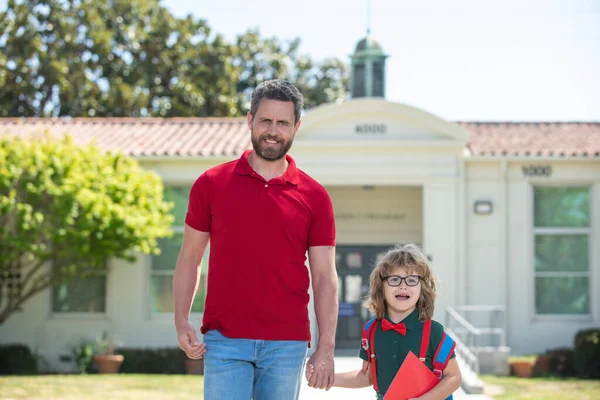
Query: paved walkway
x=343, y=364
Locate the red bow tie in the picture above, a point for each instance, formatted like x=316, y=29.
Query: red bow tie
x=399, y=327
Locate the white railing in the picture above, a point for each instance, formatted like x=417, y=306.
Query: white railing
x=492, y=334
x=464, y=353
x=474, y=328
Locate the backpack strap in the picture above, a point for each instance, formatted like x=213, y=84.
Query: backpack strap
x=425, y=340
x=368, y=344
x=443, y=354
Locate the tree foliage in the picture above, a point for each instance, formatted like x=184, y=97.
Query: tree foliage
x=134, y=58
x=66, y=209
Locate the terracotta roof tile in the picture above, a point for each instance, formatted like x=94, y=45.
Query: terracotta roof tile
x=143, y=137
x=548, y=139
x=205, y=137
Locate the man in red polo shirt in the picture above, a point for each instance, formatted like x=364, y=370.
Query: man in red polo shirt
x=262, y=215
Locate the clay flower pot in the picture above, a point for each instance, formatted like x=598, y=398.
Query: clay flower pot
x=522, y=369
x=108, y=363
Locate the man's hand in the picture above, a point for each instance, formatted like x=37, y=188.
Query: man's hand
x=320, y=370
x=188, y=342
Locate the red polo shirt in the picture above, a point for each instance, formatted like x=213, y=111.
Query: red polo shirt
x=259, y=234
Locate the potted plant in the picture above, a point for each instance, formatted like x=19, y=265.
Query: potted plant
x=522, y=366
x=105, y=358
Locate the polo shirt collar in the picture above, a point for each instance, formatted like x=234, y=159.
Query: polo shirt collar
x=410, y=321
x=289, y=176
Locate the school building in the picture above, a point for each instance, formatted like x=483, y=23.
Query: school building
x=508, y=212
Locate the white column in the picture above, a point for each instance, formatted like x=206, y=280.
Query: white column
x=441, y=241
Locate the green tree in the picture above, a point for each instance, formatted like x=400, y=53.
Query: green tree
x=269, y=58
x=323, y=82
x=65, y=210
x=134, y=58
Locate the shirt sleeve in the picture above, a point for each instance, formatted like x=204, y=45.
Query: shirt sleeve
x=322, y=226
x=199, y=208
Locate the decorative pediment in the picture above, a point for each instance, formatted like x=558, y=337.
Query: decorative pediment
x=374, y=119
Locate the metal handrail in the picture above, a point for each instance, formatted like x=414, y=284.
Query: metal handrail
x=467, y=355
x=496, y=322
x=462, y=321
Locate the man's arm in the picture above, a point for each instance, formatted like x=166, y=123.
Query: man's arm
x=185, y=285
x=325, y=290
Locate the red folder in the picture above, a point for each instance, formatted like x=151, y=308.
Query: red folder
x=413, y=379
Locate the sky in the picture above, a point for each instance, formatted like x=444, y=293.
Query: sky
x=511, y=60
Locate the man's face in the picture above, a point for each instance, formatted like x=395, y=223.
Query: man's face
x=273, y=129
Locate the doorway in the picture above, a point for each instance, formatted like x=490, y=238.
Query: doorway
x=354, y=264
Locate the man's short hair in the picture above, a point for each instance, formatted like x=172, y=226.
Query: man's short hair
x=277, y=89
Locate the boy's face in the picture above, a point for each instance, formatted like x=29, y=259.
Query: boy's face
x=402, y=299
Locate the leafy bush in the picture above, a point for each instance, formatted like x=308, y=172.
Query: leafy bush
x=586, y=358
x=84, y=356
x=16, y=359
x=153, y=361
x=561, y=361
x=74, y=207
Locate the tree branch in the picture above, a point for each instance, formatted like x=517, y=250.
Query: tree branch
x=12, y=307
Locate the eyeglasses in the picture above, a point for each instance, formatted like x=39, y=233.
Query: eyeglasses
x=396, y=280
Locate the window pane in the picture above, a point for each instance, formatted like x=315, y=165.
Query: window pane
x=162, y=294
x=562, y=206
x=561, y=253
x=564, y=295
x=80, y=295
x=179, y=196
x=169, y=251
x=198, y=305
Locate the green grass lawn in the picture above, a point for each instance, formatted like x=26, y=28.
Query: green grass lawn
x=150, y=387
x=541, y=388
x=101, y=387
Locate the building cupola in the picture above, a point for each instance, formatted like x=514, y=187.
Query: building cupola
x=368, y=69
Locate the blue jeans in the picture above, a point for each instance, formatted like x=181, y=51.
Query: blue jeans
x=244, y=369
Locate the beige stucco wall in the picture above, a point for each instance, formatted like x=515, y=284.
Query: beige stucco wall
x=500, y=248
x=419, y=156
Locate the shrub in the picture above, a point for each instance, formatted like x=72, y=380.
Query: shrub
x=84, y=356
x=16, y=359
x=561, y=361
x=153, y=361
x=586, y=358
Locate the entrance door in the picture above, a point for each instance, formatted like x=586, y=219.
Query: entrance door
x=354, y=264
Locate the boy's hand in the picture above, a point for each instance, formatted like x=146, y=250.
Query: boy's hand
x=310, y=369
x=324, y=369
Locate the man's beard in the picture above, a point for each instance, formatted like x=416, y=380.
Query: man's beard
x=269, y=153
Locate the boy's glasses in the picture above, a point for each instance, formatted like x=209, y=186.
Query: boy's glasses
x=395, y=280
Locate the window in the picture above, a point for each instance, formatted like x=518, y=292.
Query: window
x=358, y=80
x=378, y=79
x=562, y=250
x=163, y=265
x=81, y=295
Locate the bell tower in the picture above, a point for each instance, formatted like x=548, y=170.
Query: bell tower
x=368, y=66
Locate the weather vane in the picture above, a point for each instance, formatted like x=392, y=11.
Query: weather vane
x=368, y=17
